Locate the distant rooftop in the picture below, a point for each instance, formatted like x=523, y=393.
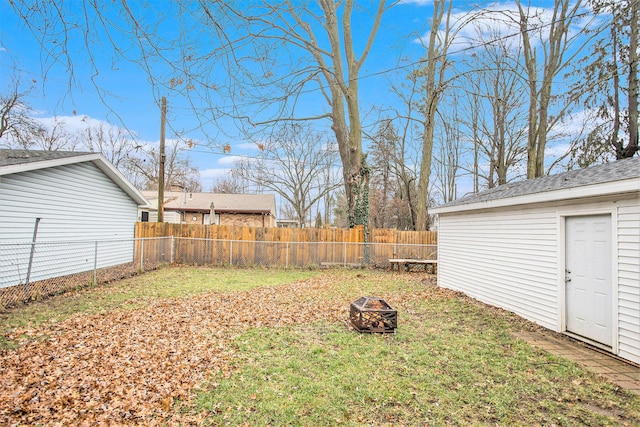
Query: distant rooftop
x=230, y=203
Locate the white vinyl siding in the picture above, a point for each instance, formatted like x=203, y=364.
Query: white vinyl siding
x=504, y=258
x=629, y=281
x=171, y=217
x=76, y=203
x=511, y=257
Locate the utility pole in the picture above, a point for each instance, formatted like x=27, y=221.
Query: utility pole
x=163, y=120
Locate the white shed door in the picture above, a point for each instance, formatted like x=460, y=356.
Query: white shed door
x=588, y=277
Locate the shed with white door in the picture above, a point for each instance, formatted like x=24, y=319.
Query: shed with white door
x=562, y=251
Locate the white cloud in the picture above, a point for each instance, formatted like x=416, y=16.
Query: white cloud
x=247, y=146
x=212, y=174
x=578, y=123
x=554, y=151
x=500, y=22
x=74, y=124
x=229, y=160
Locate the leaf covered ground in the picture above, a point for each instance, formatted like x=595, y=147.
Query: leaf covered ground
x=265, y=355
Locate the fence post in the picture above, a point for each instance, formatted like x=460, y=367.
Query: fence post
x=286, y=256
x=95, y=264
x=141, y=254
x=33, y=249
x=230, y=252
x=344, y=254
x=172, y=256
x=367, y=255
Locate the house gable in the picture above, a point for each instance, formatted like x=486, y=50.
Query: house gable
x=16, y=161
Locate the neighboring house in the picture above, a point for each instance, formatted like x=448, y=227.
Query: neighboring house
x=288, y=223
x=180, y=207
x=77, y=196
x=562, y=251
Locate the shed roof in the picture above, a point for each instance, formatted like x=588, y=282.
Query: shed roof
x=16, y=161
x=617, y=177
x=227, y=203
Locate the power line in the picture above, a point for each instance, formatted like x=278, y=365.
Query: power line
x=409, y=65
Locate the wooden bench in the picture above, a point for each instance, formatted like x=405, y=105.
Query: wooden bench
x=409, y=262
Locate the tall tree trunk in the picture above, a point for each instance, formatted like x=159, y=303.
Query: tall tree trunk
x=346, y=124
x=436, y=55
x=540, y=97
x=632, y=147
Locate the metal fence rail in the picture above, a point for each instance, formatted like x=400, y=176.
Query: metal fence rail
x=31, y=271
x=34, y=270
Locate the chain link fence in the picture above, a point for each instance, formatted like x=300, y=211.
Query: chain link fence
x=30, y=271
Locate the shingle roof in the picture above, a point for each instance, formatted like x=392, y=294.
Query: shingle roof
x=17, y=157
x=609, y=172
x=17, y=161
x=239, y=203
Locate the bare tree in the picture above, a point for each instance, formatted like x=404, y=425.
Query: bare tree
x=405, y=157
x=16, y=124
x=112, y=141
x=601, y=79
x=393, y=189
x=383, y=147
x=497, y=117
x=253, y=65
x=230, y=184
x=554, y=43
x=293, y=165
x=433, y=78
x=142, y=168
x=54, y=137
x=336, y=68
x=447, y=157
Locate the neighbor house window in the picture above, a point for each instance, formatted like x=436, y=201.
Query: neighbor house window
x=144, y=217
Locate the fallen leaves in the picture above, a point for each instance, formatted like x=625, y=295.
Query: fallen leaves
x=130, y=366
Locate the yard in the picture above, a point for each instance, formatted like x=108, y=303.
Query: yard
x=214, y=346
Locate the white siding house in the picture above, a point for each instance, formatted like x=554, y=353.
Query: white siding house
x=562, y=251
x=78, y=197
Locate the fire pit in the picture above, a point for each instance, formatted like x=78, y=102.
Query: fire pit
x=373, y=314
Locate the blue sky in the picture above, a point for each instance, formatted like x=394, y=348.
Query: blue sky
x=129, y=101
x=132, y=103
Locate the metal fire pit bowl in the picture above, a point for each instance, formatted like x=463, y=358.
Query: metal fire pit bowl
x=373, y=314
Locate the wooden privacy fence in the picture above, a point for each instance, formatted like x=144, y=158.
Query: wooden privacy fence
x=231, y=245
x=225, y=232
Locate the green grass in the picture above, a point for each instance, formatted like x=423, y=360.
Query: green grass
x=324, y=375
x=453, y=361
